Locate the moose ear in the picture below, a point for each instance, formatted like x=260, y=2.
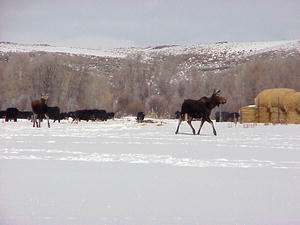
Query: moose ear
x=45, y=96
x=218, y=91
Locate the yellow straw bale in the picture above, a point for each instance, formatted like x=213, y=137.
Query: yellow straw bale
x=291, y=102
x=248, y=114
x=277, y=115
x=293, y=117
x=263, y=115
x=272, y=97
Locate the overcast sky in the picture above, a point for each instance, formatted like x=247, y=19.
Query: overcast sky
x=142, y=23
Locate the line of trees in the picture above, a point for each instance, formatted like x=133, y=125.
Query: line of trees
x=126, y=86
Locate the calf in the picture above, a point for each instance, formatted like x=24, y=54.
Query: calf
x=140, y=117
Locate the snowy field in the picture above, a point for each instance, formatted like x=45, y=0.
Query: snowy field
x=123, y=173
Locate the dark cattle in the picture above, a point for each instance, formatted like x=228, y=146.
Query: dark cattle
x=53, y=113
x=177, y=115
x=234, y=117
x=39, y=109
x=223, y=116
x=88, y=114
x=227, y=117
x=11, y=114
x=200, y=109
x=64, y=116
x=140, y=117
x=25, y=115
x=110, y=115
x=2, y=114
x=80, y=115
x=99, y=114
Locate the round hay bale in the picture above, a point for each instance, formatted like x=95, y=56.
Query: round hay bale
x=291, y=102
x=272, y=97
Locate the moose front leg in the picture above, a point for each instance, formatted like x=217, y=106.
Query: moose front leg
x=34, y=120
x=201, y=125
x=179, y=122
x=212, y=124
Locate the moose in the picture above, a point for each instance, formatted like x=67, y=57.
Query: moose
x=200, y=109
x=40, y=109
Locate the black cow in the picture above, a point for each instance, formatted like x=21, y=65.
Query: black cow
x=140, y=117
x=234, y=117
x=227, y=117
x=64, y=116
x=25, y=115
x=177, y=115
x=200, y=109
x=54, y=113
x=88, y=114
x=79, y=115
x=2, y=114
x=110, y=115
x=11, y=114
x=99, y=114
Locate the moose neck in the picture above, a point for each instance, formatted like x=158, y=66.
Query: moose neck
x=212, y=104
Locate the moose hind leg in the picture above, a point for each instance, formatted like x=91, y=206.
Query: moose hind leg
x=179, y=122
x=47, y=117
x=189, y=121
x=34, y=120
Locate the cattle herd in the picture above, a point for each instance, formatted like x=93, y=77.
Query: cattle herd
x=53, y=113
x=191, y=109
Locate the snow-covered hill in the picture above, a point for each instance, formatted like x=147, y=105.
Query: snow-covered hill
x=220, y=48
x=162, y=71
x=205, y=57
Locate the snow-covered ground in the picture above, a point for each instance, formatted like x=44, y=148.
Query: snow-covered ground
x=120, y=172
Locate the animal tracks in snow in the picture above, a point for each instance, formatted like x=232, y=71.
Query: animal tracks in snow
x=40, y=154
x=125, y=141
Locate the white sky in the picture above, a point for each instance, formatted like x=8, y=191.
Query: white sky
x=124, y=23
